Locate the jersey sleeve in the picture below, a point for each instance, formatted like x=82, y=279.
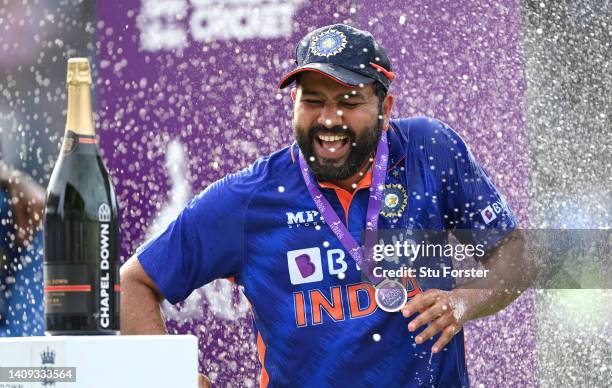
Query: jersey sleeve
x=472, y=206
x=205, y=241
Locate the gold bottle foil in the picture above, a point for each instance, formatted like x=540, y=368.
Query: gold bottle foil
x=79, y=118
x=78, y=71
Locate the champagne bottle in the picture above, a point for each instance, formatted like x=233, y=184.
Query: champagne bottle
x=81, y=225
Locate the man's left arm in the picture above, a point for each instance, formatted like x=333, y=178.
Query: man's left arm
x=477, y=214
x=445, y=312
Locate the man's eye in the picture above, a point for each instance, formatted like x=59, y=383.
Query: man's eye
x=350, y=105
x=313, y=102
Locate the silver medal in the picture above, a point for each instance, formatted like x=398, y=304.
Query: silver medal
x=391, y=295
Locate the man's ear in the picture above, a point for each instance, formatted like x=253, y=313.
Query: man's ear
x=293, y=94
x=387, y=106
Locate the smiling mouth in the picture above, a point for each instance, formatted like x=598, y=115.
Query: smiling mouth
x=331, y=146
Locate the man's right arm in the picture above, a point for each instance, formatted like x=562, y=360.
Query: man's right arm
x=140, y=310
x=140, y=301
x=202, y=244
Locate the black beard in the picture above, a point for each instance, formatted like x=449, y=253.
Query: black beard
x=324, y=169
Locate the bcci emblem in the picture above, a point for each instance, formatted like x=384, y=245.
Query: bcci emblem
x=394, y=200
x=328, y=43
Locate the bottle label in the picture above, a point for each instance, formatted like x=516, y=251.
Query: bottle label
x=72, y=141
x=104, y=216
x=67, y=290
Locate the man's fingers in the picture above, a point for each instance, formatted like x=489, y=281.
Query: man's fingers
x=439, y=307
x=420, y=302
x=435, y=327
x=426, y=316
x=445, y=338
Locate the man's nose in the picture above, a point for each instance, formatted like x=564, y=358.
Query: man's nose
x=330, y=116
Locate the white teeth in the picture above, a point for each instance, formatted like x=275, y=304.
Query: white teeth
x=332, y=138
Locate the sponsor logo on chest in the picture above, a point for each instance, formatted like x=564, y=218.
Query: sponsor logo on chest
x=304, y=218
x=336, y=303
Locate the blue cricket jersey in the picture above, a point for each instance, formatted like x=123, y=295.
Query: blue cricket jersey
x=314, y=316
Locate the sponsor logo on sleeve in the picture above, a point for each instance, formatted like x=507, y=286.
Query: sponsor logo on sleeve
x=487, y=214
x=491, y=212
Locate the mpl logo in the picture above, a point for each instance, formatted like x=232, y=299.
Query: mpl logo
x=490, y=212
x=303, y=218
x=305, y=265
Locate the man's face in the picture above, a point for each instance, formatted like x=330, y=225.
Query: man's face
x=336, y=127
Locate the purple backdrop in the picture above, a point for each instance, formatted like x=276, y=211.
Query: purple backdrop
x=205, y=74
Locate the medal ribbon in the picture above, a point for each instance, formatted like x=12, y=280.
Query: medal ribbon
x=379, y=173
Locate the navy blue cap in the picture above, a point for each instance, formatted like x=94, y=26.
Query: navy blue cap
x=343, y=53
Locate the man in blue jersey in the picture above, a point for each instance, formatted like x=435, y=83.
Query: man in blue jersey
x=289, y=229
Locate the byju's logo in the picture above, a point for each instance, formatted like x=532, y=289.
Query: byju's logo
x=487, y=214
x=490, y=212
x=305, y=265
x=304, y=218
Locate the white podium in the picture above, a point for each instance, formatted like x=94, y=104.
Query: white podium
x=152, y=361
